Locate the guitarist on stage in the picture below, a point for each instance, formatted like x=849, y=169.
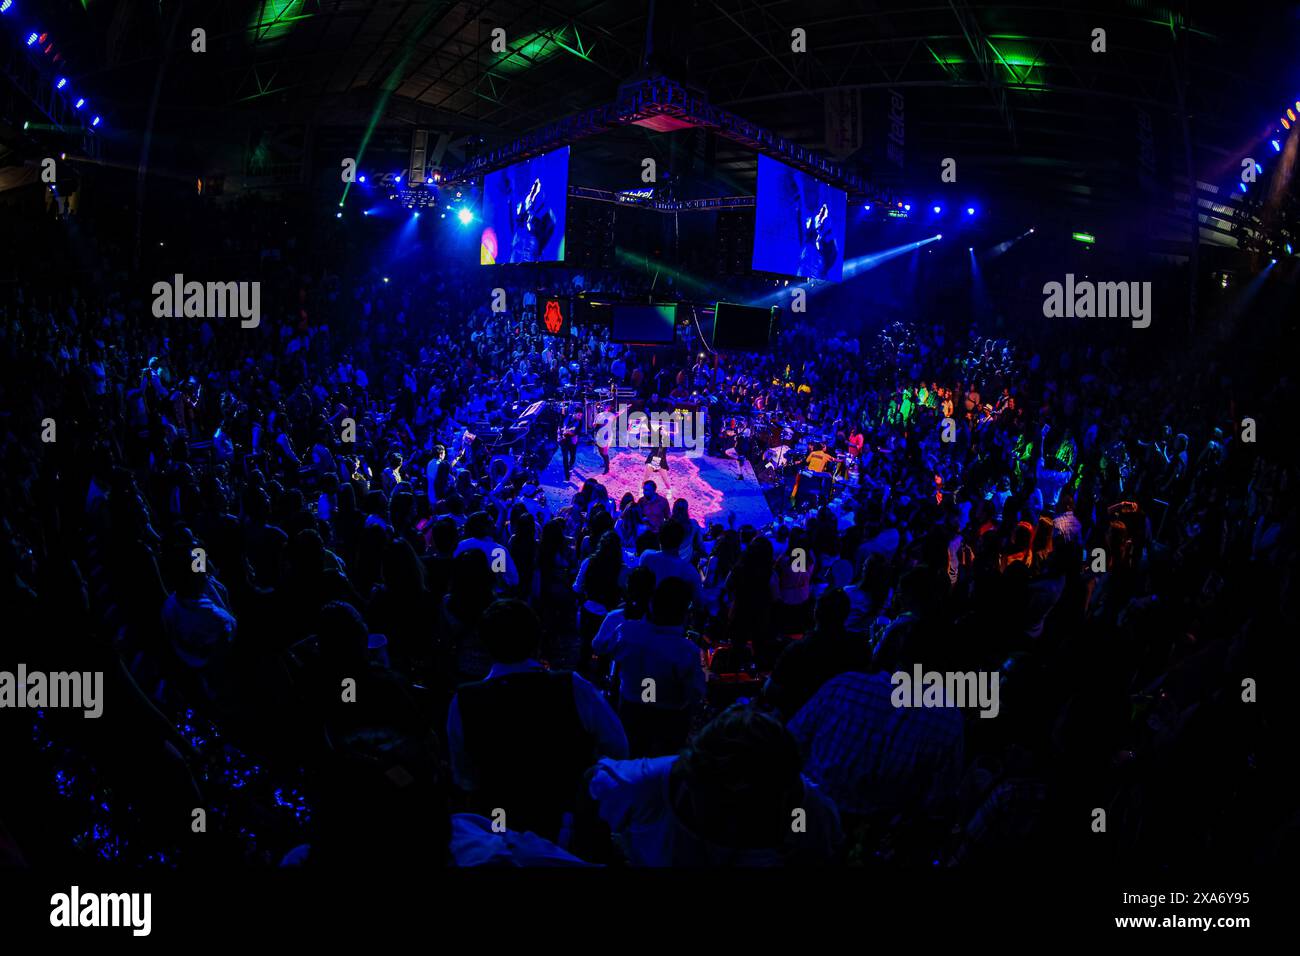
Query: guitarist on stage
x=568, y=439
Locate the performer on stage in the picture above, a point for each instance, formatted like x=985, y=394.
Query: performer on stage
x=819, y=458
x=656, y=463
x=856, y=441
x=744, y=449
x=568, y=439
x=606, y=422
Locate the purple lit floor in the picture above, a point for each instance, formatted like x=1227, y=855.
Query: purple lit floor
x=709, y=484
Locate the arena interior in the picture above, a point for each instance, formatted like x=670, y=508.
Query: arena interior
x=654, y=434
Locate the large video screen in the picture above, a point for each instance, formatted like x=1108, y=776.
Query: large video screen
x=523, y=211
x=644, y=324
x=799, y=224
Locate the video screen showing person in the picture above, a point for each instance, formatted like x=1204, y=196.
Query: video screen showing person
x=524, y=209
x=798, y=224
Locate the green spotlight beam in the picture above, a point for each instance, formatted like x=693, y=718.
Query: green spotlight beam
x=390, y=84
x=683, y=279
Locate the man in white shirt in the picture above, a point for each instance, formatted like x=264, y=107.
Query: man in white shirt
x=726, y=800
x=478, y=537
x=668, y=563
x=656, y=649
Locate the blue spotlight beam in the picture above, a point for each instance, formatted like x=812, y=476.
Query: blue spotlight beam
x=852, y=268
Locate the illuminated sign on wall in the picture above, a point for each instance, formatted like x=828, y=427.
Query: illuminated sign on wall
x=553, y=316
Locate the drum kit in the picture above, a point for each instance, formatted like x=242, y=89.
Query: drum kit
x=592, y=399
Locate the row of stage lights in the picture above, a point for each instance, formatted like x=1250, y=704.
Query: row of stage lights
x=1288, y=119
x=903, y=209
x=463, y=215
x=46, y=45
x=417, y=200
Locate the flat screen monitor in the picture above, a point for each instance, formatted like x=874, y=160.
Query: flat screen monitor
x=742, y=326
x=644, y=324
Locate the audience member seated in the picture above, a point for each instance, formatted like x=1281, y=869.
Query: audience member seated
x=520, y=740
x=734, y=796
x=806, y=665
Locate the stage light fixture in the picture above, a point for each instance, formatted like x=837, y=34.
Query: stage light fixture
x=31, y=39
x=61, y=83
x=361, y=179
x=1290, y=114
x=95, y=121
x=5, y=5
x=1285, y=124
x=81, y=101
x=1243, y=186
x=338, y=215
x=399, y=177
x=937, y=210
x=465, y=217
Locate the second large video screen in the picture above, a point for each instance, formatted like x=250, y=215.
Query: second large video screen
x=524, y=209
x=798, y=224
